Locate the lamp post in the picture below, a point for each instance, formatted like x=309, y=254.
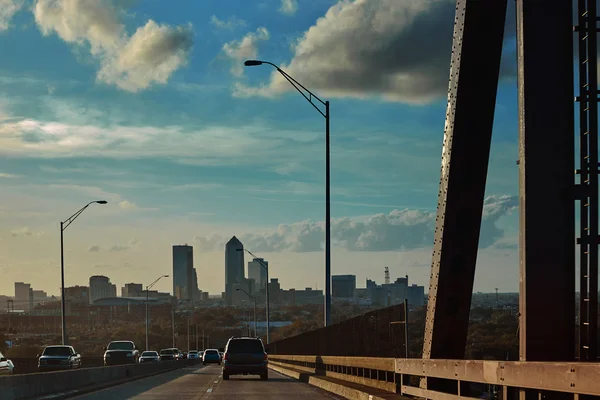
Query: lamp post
x=303, y=91
x=64, y=225
x=254, y=300
x=147, y=291
x=266, y=267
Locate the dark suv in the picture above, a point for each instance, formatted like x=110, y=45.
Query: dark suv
x=245, y=356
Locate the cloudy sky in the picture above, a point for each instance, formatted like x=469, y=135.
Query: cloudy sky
x=146, y=104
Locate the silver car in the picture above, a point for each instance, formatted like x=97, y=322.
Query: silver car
x=149, y=356
x=6, y=366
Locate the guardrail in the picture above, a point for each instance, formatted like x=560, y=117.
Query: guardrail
x=29, y=365
x=402, y=375
x=29, y=386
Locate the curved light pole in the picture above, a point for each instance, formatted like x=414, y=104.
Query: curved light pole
x=64, y=225
x=298, y=86
x=254, y=300
x=148, y=291
x=266, y=267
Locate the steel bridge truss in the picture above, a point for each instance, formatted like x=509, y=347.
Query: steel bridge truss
x=548, y=191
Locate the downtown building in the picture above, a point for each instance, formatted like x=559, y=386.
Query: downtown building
x=234, y=271
x=101, y=288
x=185, y=280
x=258, y=272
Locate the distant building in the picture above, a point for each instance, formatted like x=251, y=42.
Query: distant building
x=301, y=297
x=39, y=295
x=77, y=294
x=343, y=286
x=258, y=272
x=388, y=294
x=416, y=295
x=183, y=272
x=234, y=268
x=132, y=290
x=100, y=288
x=195, y=289
x=23, y=296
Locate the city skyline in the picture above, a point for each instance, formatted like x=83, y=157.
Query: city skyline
x=196, y=148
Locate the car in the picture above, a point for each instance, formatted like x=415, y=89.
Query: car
x=193, y=355
x=211, y=356
x=6, y=366
x=245, y=356
x=221, y=354
x=201, y=354
x=121, y=352
x=149, y=356
x=168, y=354
x=58, y=357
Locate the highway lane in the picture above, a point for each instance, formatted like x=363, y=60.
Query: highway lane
x=206, y=383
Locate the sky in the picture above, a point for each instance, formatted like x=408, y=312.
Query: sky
x=147, y=104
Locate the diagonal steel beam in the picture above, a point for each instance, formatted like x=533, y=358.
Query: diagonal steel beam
x=474, y=72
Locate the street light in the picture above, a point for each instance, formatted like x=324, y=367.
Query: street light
x=147, y=291
x=64, y=225
x=254, y=300
x=266, y=267
x=297, y=85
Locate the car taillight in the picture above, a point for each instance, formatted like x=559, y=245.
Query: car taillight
x=266, y=357
x=225, y=356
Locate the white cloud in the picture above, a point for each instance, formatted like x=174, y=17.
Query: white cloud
x=246, y=48
x=288, y=7
x=24, y=231
x=94, y=248
x=400, y=230
x=127, y=205
x=209, y=145
x=231, y=23
x=8, y=176
x=132, y=63
x=398, y=50
x=8, y=9
x=118, y=247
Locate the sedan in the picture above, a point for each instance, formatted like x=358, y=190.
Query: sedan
x=59, y=357
x=6, y=366
x=149, y=356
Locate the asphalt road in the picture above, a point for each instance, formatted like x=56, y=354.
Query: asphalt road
x=206, y=383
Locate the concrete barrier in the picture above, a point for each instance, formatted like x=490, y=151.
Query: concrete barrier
x=28, y=386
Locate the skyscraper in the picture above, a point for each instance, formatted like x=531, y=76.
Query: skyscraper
x=100, y=288
x=183, y=272
x=257, y=272
x=234, y=267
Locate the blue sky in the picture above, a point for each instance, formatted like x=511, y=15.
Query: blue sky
x=147, y=104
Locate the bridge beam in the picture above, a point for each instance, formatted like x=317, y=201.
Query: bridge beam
x=546, y=180
x=474, y=72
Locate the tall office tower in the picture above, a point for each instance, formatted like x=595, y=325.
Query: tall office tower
x=183, y=272
x=24, y=296
x=343, y=286
x=258, y=272
x=100, y=288
x=234, y=267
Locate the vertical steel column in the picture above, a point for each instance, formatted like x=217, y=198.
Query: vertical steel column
x=474, y=71
x=546, y=182
x=587, y=187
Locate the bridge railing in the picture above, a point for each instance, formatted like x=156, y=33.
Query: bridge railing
x=401, y=376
